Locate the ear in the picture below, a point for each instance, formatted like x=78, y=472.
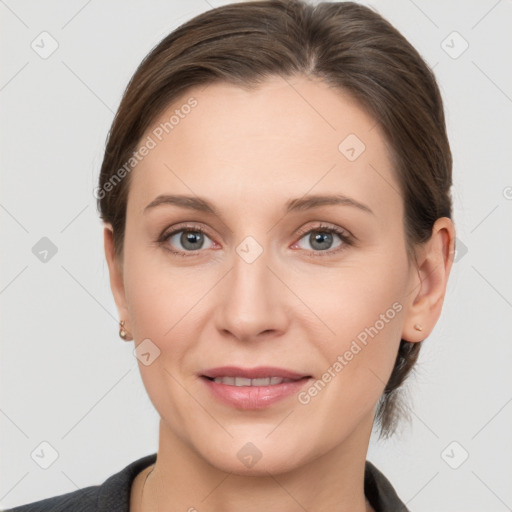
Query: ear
x=434, y=262
x=115, y=269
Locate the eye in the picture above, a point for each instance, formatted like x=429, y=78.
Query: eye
x=325, y=239
x=319, y=241
x=187, y=240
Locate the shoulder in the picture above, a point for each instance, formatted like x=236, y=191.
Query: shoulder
x=113, y=495
x=379, y=491
x=82, y=500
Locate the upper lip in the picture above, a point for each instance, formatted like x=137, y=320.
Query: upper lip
x=252, y=373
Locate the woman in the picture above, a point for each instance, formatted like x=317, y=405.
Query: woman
x=276, y=198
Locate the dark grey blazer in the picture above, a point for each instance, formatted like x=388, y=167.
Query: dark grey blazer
x=113, y=495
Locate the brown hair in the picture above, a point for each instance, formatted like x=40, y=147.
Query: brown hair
x=348, y=46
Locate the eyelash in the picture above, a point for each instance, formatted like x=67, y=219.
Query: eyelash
x=346, y=238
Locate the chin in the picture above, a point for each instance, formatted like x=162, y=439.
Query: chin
x=256, y=455
x=273, y=464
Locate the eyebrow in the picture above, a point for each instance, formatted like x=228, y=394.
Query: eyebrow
x=314, y=201
x=190, y=202
x=300, y=204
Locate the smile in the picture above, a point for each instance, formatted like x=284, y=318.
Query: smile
x=252, y=388
x=244, y=381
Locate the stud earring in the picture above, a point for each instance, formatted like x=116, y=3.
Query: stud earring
x=418, y=327
x=122, y=331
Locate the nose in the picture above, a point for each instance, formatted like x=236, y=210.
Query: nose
x=253, y=303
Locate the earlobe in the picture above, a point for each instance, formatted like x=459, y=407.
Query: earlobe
x=434, y=265
x=115, y=272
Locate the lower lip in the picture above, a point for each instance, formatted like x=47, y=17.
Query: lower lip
x=253, y=397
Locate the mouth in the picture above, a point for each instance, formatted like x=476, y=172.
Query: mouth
x=252, y=388
x=244, y=381
x=259, y=376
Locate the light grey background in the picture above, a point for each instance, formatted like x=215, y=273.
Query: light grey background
x=66, y=376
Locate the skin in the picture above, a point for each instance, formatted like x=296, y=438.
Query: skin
x=248, y=153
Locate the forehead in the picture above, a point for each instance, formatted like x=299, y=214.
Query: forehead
x=283, y=138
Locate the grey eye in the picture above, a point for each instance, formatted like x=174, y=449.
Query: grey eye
x=320, y=240
x=189, y=240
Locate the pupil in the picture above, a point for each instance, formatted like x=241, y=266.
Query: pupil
x=321, y=240
x=192, y=240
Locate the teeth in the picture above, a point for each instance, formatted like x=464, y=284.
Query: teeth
x=263, y=381
x=243, y=381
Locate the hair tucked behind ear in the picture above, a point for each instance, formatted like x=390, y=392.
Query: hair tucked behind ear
x=347, y=45
x=392, y=406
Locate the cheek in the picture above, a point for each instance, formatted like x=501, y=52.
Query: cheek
x=159, y=295
x=161, y=308
x=358, y=309
x=354, y=295
x=359, y=357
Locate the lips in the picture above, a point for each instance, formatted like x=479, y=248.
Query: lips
x=244, y=381
x=252, y=388
x=244, y=375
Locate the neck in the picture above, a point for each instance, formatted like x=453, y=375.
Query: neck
x=182, y=480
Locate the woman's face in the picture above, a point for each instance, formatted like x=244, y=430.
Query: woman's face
x=284, y=274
